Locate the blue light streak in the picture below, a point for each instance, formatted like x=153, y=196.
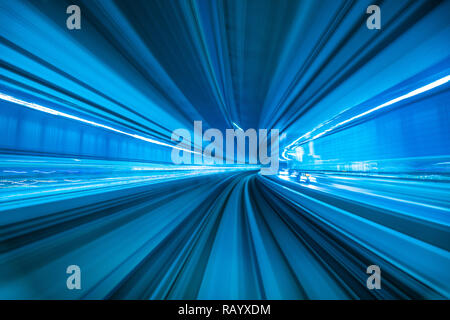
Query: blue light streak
x=237, y=127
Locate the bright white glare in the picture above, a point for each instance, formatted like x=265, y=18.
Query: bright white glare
x=69, y=116
x=283, y=155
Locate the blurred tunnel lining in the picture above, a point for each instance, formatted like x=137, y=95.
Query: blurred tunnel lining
x=86, y=175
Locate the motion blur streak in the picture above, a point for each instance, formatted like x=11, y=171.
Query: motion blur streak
x=86, y=176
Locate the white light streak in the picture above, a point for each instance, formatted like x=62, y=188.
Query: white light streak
x=413, y=93
x=93, y=123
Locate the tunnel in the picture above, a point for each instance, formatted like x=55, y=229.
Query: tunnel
x=225, y=149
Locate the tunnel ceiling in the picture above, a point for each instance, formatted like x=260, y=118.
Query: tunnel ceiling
x=160, y=65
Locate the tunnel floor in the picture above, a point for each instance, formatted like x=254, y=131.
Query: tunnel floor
x=233, y=235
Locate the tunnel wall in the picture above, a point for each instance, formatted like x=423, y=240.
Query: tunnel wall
x=28, y=131
x=411, y=138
